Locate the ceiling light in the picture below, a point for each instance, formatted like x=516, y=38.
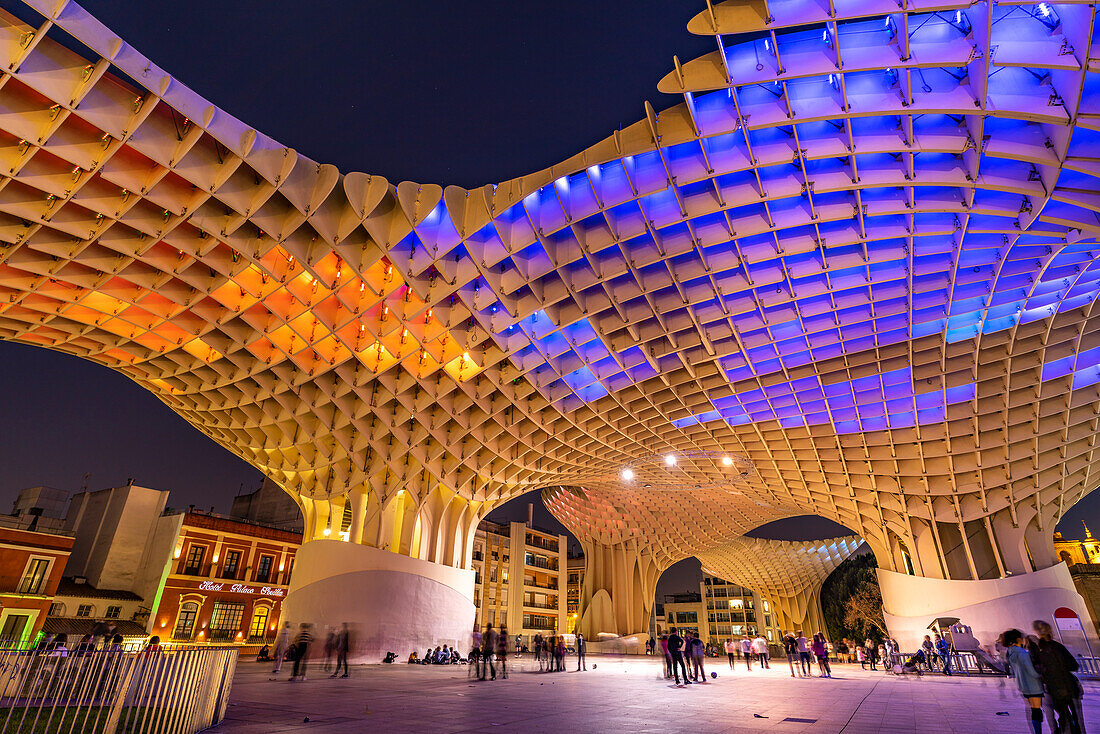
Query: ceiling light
x=727, y=461
x=670, y=459
x=628, y=474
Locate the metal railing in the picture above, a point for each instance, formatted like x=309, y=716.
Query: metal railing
x=175, y=690
x=1090, y=666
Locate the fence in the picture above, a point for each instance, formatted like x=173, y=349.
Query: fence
x=177, y=690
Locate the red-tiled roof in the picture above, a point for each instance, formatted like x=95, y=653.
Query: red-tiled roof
x=69, y=587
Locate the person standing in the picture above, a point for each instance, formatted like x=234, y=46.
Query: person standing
x=666, y=655
x=746, y=650
x=282, y=644
x=790, y=647
x=537, y=643
x=821, y=651
x=474, y=659
x=870, y=653
x=488, y=649
x=697, y=651
x=502, y=652
x=301, y=651
x=561, y=653
x=944, y=650
x=731, y=652
x=1056, y=666
x=581, y=649
x=1027, y=678
x=929, y=651
x=803, y=653
x=675, y=651
x=343, y=642
x=760, y=647
x=330, y=648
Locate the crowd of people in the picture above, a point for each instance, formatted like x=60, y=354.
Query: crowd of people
x=296, y=648
x=1044, y=672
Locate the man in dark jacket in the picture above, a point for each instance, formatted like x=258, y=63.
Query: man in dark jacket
x=676, y=651
x=1055, y=665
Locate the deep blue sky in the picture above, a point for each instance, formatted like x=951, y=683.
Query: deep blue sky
x=454, y=93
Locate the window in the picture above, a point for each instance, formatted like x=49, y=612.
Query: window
x=263, y=569
x=185, y=624
x=226, y=619
x=14, y=625
x=34, y=578
x=232, y=560
x=195, y=554
x=84, y=610
x=113, y=612
x=57, y=609
x=258, y=627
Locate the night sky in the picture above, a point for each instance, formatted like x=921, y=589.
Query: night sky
x=464, y=94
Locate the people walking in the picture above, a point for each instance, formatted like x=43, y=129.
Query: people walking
x=581, y=649
x=870, y=653
x=821, y=652
x=282, y=644
x=803, y=653
x=731, y=652
x=746, y=650
x=675, y=651
x=502, y=652
x=666, y=655
x=330, y=649
x=474, y=658
x=1027, y=678
x=760, y=648
x=536, y=642
x=790, y=647
x=943, y=648
x=1056, y=665
x=488, y=649
x=301, y=651
x=343, y=642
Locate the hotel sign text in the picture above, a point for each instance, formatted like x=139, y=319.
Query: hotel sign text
x=241, y=589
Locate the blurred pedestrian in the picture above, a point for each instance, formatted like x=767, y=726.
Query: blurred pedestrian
x=330, y=649
x=343, y=642
x=282, y=644
x=488, y=649
x=1056, y=666
x=666, y=655
x=821, y=651
x=760, y=649
x=1027, y=678
x=731, y=652
x=746, y=650
x=697, y=653
x=804, y=653
x=790, y=648
x=301, y=651
x=502, y=652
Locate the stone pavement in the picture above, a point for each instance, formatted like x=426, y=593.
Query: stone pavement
x=624, y=695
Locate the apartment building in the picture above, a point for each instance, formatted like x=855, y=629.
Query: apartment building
x=31, y=566
x=574, y=583
x=520, y=579
x=732, y=610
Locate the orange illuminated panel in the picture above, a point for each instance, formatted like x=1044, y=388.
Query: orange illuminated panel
x=202, y=350
x=462, y=367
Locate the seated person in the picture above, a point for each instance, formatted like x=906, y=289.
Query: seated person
x=264, y=654
x=413, y=659
x=390, y=657
x=912, y=665
x=427, y=657
x=455, y=659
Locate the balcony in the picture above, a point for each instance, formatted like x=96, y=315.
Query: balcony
x=540, y=605
x=539, y=562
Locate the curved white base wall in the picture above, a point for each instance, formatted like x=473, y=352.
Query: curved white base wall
x=990, y=607
x=390, y=602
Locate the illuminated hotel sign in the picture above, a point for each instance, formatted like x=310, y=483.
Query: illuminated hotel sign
x=241, y=589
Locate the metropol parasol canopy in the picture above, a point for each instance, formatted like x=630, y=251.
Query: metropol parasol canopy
x=852, y=274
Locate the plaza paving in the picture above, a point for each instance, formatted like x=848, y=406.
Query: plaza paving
x=624, y=695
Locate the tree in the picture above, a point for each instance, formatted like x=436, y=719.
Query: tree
x=863, y=611
x=844, y=582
